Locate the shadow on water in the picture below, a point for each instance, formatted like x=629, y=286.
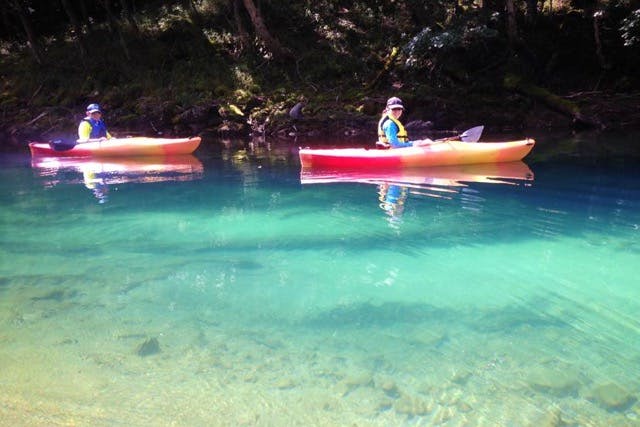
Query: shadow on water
x=366, y=315
x=57, y=296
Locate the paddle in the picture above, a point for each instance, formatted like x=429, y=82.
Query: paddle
x=66, y=145
x=469, y=135
x=62, y=145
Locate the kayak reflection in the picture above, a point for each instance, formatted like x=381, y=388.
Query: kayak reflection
x=395, y=185
x=97, y=174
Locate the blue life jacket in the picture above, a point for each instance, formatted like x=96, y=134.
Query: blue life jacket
x=98, y=128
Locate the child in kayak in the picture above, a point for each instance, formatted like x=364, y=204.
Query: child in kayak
x=391, y=133
x=92, y=126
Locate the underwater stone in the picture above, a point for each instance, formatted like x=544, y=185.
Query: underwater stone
x=358, y=380
x=285, y=383
x=352, y=382
x=389, y=387
x=612, y=397
x=413, y=406
x=461, y=377
x=554, y=381
x=551, y=417
x=442, y=415
x=464, y=407
x=431, y=338
x=149, y=347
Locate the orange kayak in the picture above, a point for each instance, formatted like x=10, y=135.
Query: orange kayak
x=439, y=153
x=118, y=147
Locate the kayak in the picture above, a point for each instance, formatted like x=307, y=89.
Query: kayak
x=439, y=153
x=511, y=173
x=118, y=147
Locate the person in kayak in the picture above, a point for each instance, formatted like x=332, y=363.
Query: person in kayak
x=92, y=126
x=391, y=133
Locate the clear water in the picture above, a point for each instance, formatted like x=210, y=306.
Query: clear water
x=279, y=303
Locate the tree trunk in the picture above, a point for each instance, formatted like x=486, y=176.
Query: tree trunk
x=512, y=23
x=279, y=52
x=552, y=101
x=127, y=9
x=32, y=40
x=6, y=20
x=597, y=19
x=84, y=15
x=388, y=64
x=492, y=5
x=532, y=11
x=77, y=28
x=237, y=19
x=115, y=28
x=193, y=13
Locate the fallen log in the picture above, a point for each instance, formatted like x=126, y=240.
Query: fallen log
x=552, y=101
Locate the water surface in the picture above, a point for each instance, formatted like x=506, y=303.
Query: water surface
x=231, y=290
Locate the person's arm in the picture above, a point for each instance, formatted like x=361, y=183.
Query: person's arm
x=391, y=132
x=84, y=131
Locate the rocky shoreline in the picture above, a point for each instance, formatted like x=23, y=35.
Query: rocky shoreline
x=612, y=112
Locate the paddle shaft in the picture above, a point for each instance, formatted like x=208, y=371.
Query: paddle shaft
x=60, y=145
x=469, y=135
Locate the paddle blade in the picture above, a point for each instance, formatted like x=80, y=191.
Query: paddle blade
x=62, y=145
x=472, y=135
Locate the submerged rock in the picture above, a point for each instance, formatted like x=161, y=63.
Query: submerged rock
x=149, y=347
x=414, y=406
x=285, y=383
x=461, y=377
x=550, y=417
x=554, y=381
x=612, y=397
x=389, y=387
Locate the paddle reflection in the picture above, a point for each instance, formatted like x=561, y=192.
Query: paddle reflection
x=395, y=186
x=98, y=174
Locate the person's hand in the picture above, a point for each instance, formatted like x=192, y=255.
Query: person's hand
x=423, y=142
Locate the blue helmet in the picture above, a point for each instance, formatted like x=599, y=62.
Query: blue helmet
x=93, y=108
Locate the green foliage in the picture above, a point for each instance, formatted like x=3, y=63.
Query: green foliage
x=439, y=41
x=630, y=29
x=161, y=60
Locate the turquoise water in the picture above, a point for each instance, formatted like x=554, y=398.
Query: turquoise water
x=223, y=291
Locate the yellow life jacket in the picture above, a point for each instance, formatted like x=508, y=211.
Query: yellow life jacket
x=382, y=137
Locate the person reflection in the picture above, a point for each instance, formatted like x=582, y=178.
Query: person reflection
x=97, y=185
x=392, y=199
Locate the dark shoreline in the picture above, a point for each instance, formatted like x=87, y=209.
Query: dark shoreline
x=334, y=122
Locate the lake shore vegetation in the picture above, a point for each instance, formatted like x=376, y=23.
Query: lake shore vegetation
x=313, y=68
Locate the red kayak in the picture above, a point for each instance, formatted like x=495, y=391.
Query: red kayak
x=439, y=153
